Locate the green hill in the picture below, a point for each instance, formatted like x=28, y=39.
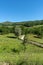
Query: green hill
x=25, y=23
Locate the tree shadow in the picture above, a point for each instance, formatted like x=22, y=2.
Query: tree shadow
x=11, y=36
x=14, y=50
x=37, y=37
x=22, y=63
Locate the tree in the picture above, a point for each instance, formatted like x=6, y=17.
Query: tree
x=25, y=38
x=4, y=30
x=23, y=29
x=17, y=31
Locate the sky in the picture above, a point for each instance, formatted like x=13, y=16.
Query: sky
x=21, y=10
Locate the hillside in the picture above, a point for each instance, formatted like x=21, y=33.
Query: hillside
x=21, y=43
x=25, y=23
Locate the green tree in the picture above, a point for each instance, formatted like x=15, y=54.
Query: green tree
x=17, y=31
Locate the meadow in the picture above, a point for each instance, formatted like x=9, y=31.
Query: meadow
x=12, y=51
x=33, y=37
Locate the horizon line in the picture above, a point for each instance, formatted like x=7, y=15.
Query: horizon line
x=20, y=21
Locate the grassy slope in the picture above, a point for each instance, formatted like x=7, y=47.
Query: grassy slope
x=31, y=54
x=33, y=38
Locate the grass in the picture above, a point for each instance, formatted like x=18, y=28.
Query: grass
x=18, y=58
x=33, y=38
x=12, y=51
x=8, y=44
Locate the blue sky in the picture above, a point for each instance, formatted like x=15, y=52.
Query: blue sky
x=21, y=10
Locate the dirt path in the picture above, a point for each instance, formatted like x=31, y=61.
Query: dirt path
x=36, y=43
x=4, y=63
